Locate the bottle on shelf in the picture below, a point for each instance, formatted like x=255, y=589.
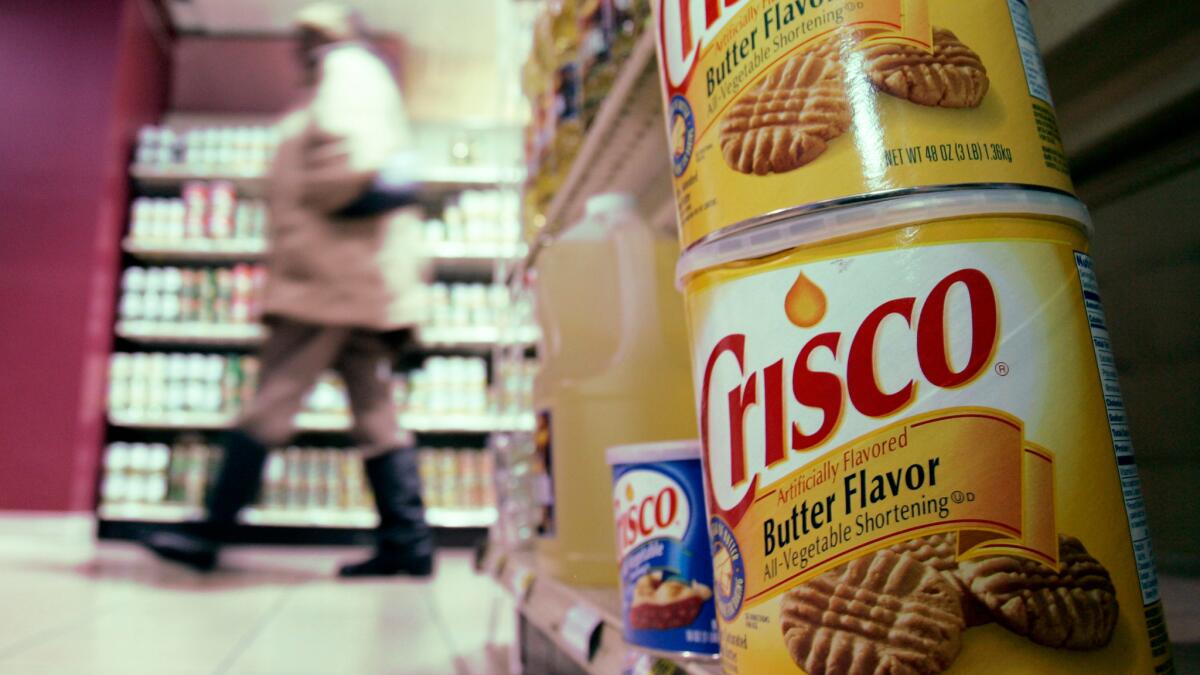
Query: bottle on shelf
x=235, y=150
x=322, y=481
x=456, y=478
x=448, y=386
x=159, y=386
x=173, y=295
x=485, y=220
x=475, y=306
x=206, y=212
x=135, y=473
x=615, y=370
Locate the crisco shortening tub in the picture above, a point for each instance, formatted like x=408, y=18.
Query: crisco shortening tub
x=912, y=430
x=779, y=106
x=662, y=547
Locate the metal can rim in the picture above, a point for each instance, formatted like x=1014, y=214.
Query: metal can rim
x=778, y=232
x=649, y=453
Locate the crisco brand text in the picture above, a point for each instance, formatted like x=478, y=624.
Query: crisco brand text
x=856, y=380
x=653, y=512
x=648, y=505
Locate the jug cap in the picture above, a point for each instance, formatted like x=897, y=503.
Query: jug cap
x=609, y=202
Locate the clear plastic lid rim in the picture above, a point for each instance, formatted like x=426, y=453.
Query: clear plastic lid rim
x=648, y=453
x=780, y=235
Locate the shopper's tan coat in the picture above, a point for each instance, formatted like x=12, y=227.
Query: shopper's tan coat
x=333, y=271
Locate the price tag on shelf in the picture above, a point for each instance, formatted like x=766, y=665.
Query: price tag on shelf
x=580, y=629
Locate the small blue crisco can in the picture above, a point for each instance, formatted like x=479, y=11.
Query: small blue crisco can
x=662, y=546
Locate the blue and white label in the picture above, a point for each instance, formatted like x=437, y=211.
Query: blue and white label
x=682, y=134
x=1118, y=426
x=666, y=571
x=1031, y=55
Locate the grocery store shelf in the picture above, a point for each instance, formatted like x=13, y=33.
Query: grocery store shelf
x=253, y=184
x=363, y=519
x=202, y=421
x=323, y=422
x=311, y=421
x=197, y=250
x=471, y=256
x=195, y=333
x=358, y=519
x=452, y=178
x=192, y=333
x=170, y=178
x=150, y=513
x=215, y=421
x=556, y=610
x=475, y=337
x=448, y=517
x=625, y=149
x=467, y=424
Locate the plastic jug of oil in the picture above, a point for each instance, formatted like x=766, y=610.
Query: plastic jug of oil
x=615, y=370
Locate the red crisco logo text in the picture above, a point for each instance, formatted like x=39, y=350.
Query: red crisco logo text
x=648, y=505
x=856, y=381
x=685, y=26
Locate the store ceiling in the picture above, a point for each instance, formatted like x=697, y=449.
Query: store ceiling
x=451, y=27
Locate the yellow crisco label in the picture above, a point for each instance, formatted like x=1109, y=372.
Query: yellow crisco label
x=915, y=454
x=774, y=105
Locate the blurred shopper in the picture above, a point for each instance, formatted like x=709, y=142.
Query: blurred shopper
x=329, y=298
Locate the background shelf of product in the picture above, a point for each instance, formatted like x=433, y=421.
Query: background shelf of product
x=167, y=158
x=596, y=126
x=206, y=391
x=190, y=298
x=221, y=306
x=302, y=486
x=611, y=139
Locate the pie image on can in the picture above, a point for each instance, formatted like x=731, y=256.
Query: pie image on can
x=778, y=108
x=660, y=604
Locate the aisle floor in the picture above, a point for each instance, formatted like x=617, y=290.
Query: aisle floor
x=72, y=606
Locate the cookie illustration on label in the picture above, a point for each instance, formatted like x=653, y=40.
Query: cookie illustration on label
x=938, y=551
x=786, y=120
x=878, y=614
x=953, y=76
x=1074, y=606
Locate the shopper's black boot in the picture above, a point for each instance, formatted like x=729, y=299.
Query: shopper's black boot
x=236, y=486
x=405, y=543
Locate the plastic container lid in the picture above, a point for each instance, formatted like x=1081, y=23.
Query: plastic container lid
x=662, y=451
x=600, y=213
x=769, y=238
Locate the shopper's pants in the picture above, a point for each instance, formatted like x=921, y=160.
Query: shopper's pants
x=294, y=356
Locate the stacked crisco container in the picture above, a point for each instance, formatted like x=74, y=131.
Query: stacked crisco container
x=913, y=440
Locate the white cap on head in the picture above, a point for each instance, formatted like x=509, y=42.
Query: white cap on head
x=333, y=21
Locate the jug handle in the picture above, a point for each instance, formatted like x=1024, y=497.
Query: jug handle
x=636, y=284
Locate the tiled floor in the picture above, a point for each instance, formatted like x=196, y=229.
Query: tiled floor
x=68, y=605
